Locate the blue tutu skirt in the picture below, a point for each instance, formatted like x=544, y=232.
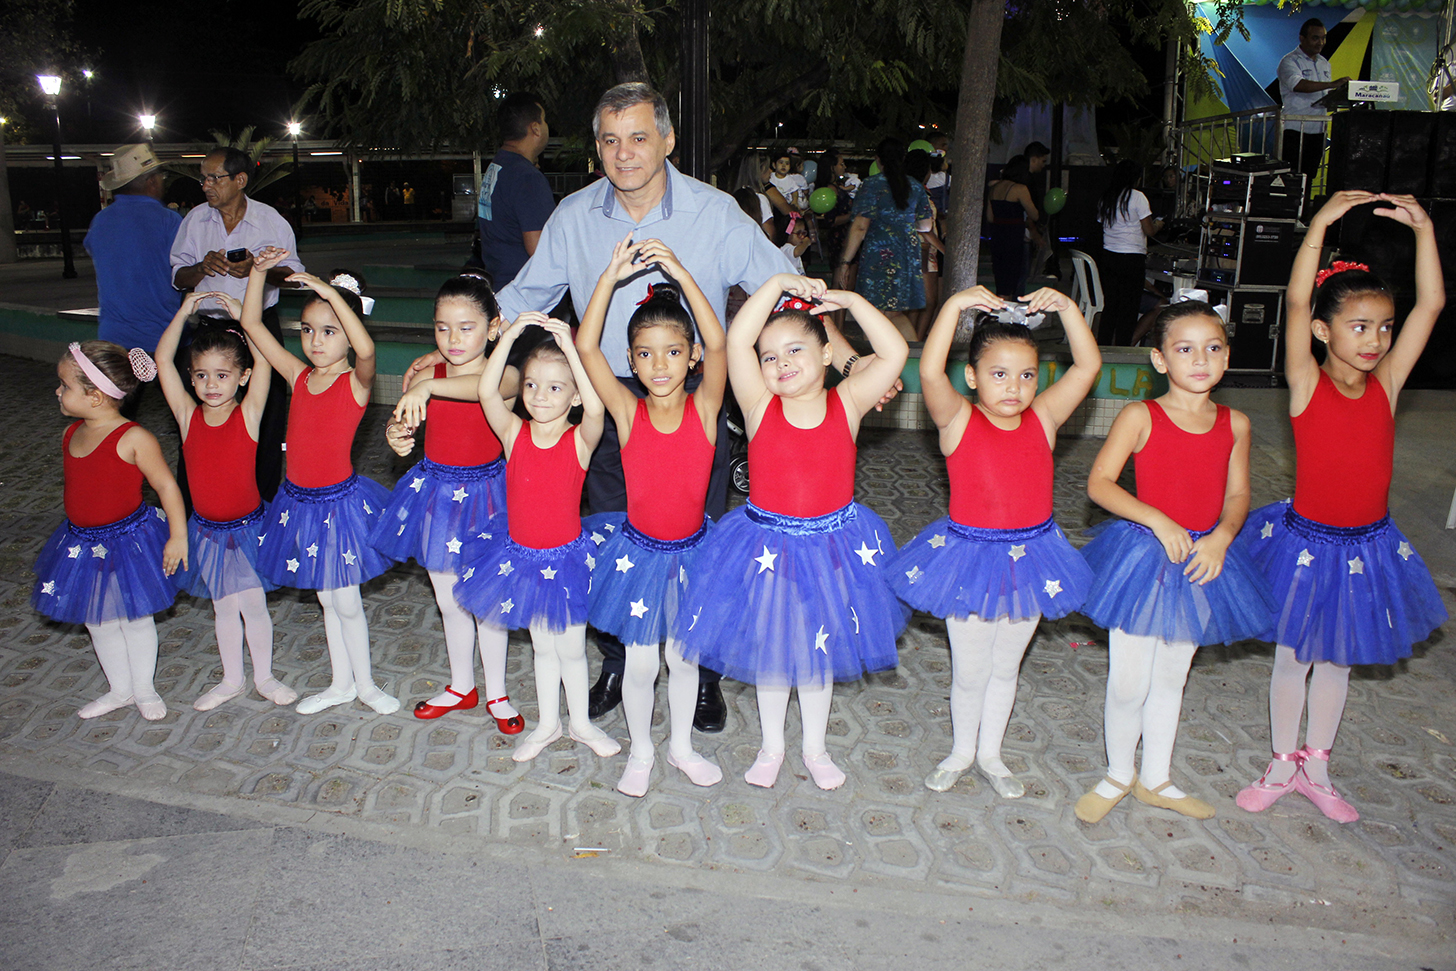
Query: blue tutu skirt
x=222, y=558
x=437, y=511
x=509, y=585
x=1358, y=595
x=781, y=600
x=951, y=570
x=318, y=539
x=97, y=574
x=1138, y=590
x=639, y=582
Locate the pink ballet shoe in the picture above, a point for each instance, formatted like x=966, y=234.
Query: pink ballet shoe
x=635, y=777
x=700, y=771
x=529, y=747
x=1325, y=798
x=824, y=772
x=1259, y=796
x=595, y=739
x=765, y=769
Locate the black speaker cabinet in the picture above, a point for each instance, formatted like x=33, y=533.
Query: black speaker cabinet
x=1443, y=156
x=1255, y=327
x=1405, y=152
x=1359, y=150
x=1409, y=170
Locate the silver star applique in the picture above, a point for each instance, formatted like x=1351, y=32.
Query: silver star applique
x=1405, y=550
x=865, y=554
x=459, y=495
x=1266, y=530
x=639, y=608
x=1305, y=557
x=506, y=569
x=312, y=550
x=453, y=544
x=418, y=482
x=765, y=561
x=507, y=606
x=549, y=573
x=937, y=541
x=1053, y=587
x=350, y=556
x=1356, y=565
x=1017, y=552
x=99, y=551
x=821, y=640
x=292, y=566
x=624, y=564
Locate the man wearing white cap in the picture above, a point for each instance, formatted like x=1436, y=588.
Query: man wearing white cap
x=130, y=242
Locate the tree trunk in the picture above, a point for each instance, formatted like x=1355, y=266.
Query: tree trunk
x=972, y=139
x=7, y=215
x=628, y=64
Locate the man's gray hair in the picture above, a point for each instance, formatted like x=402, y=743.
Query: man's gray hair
x=624, y=96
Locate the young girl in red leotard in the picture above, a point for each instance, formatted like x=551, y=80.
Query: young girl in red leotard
x=220, y=442
x=1350, y=588
x=667, y=441
x=790, y=592
x=319, y=523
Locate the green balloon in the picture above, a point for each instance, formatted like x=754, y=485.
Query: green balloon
x=874, y=168
x=1055, y=199
x=920, y=145
x=822, y=199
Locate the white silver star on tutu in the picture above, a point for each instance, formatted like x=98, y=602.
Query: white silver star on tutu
x=1388, y=622
x=591, y=562
x=624, y=564
x=459, y=495
x=1305, y=557
x=98, y=551
x=1405, y=550
x=1266, y=530
x=1017, y=552
x=263, y=536
x=1356, y=565
x=350, y=556
x=914, y=573
x=549, y=573
x=329, y=520
x=682, y=574
x=639, y=608
x=937, y=541
x=1053, y=587
x=312, y=550
x=821, y=640
x=292, y=566
x=698, y=613
x=507, y=606
x=483, y=535
x=854, y=617
x=160, y=514
x=401, y=530
x=367, y=510
x=73, y=552
x=609, y=527
x=283, y=518
x=49, y=587
x=418, y=482
x=598, y=538
x=506, y=569
x=453, y=544
x=865, y=554
x=766, y=561
x=469, y=572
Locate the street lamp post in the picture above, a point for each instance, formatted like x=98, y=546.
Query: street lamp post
x=294, y=130
x=149, y=123
x=51, y=85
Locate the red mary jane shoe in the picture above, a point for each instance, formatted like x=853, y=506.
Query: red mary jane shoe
x=508, y=726
x=426, y=710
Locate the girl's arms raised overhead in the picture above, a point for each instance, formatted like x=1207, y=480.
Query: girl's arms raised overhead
x=618, y=400
x=743, y=369
x=139, y=447
x=1129, y=433
x=362, y=377
x=1430, y=294
x=863, y=389
x=287, y=366
x=498, y=414
x=942, y=400
x=1301, y=370
x=174, y=383
x=255, y=399
x=714, y=385
x=1056, y=404
x=593, y=412
x=1205, y=562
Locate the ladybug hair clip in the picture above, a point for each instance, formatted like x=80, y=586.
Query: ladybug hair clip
x=1339, y=266
x=794, y=303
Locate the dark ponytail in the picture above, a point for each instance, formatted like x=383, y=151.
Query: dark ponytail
x=891, y=153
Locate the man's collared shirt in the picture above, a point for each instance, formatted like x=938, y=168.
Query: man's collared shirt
x=203, y=232
x=1298, y=66
x=129, y=242
x=707, y=231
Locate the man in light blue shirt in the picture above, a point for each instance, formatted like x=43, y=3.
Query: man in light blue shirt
x=1304, y=78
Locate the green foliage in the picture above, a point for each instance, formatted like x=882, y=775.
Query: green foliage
x=270, y=172
x=34, y=39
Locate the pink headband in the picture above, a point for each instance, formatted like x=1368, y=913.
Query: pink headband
x=141, y=362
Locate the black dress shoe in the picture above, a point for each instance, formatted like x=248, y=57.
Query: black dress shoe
x=605, y=695
x=712, y=712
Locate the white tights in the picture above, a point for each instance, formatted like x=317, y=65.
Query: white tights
x=985, y=660
x=1328, y=686
x=639, y=694
x=1145, y=680
x=461, y=634
x=127, y=650
x=347, y=631
x=235, y=613
x=560, y=662
x=814, y=704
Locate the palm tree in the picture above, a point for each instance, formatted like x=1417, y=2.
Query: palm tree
x=269, y=172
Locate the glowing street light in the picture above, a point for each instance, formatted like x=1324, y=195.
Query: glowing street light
x=295, y=129
x=50, y=84
x=87, y=73
x=149, y=122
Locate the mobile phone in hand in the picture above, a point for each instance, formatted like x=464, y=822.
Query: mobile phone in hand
x=237, y=255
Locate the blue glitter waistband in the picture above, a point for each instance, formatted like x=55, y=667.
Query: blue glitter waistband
x=126, y=525
x=581, y=541
x=641, y=539
x=326, y=493
x=204, y=523
x=1196, y=534
x=983, y=535
x=463, y=473
x=802, y=525
x=1335, y=535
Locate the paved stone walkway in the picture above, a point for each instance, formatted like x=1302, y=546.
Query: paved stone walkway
x=1389, y=875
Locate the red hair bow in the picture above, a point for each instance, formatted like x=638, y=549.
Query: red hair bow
x=795, y=303
x=650, y=288
x=1339, y=266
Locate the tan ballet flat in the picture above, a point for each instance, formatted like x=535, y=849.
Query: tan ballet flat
x=1187, y=805
x=1093, y=805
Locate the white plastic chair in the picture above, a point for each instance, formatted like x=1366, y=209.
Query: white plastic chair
x=1086, y=287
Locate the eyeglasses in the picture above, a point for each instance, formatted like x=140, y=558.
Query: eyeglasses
x=210, y=179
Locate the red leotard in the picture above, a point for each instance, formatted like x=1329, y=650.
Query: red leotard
x=221, y=467
x=1344, y=449
x=1001, y=479
x=803, y=472
x=543, y=491
x=1182, y=474
x=457, y=432
x=100, y=487
x=321, y=432
x=667, y=474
